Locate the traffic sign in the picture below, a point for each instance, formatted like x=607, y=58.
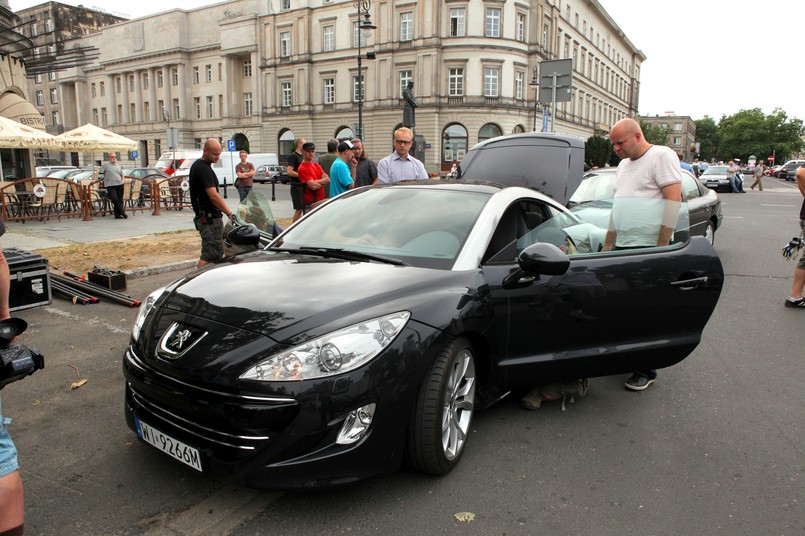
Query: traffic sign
x=230, y=145
x=134, y=154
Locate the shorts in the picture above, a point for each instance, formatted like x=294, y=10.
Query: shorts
x=801, y=263
x=212, y=239
x=297, y=189
x=8, y=452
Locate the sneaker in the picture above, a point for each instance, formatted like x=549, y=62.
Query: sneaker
x=795, y=303
x=638, y=382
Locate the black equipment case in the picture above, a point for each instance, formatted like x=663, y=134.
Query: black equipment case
x=30, y=279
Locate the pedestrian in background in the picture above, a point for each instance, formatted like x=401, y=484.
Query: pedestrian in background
x=113, y=182
x=364, y=170
x=244, y=171
x=340, y=176
x=399, y=165
x=312, y=177
x=294, y=160
x=760, y=169
x=208, y=205
x=795, y=299
x=645, y=171
x=12, y=499
x=326, y=160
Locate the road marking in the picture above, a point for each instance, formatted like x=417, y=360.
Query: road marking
x=92, y=321
x=221, y=514
x=768, y=205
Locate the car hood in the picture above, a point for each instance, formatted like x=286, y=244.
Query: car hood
x=282, y=296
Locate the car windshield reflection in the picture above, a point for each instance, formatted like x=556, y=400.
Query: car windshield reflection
x=430, y=226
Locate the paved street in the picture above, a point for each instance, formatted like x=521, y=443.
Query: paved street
x=716, y=446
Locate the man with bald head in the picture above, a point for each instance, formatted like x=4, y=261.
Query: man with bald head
x=645, y=207
x=208, y=205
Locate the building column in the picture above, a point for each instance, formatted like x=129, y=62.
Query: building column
x=166, y=91
x=156, y=115
x=182, y=89
x=125, y=98
x=138, y=97
x=113, y=119
x=257, y=85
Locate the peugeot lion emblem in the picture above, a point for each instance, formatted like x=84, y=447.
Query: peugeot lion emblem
x=178, y=340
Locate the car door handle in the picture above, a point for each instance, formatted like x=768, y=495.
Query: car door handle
x=690, y=284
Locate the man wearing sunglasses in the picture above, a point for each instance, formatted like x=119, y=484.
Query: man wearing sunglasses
x=399, y=165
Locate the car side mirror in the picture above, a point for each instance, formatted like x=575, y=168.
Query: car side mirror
x=246, y=235
x=543, y=258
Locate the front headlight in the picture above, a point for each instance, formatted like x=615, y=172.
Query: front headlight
x=145, y=308
x=335, y=353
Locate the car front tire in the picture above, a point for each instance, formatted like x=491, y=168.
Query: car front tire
x=440, y=422
x=710, y=233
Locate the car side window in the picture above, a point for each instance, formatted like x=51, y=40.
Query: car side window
x=690, y=188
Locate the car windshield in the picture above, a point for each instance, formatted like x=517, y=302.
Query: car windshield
x=716, y=170
x=423, y=227
x=594, y=186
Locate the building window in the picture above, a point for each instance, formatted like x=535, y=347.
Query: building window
x=131, y=83
x=175, y=76
x=104, y=117
x=491, y=82
x=210, y=108
x=678, y=127
x=677, y=140
x=454, y=142
x=208, y=73
x=329, y=91
x=93, y=91
x=357, y=36
x=196, y=75
x=358, y=91
x=49, y=25
x=160, y=80
x=405, y=77
x=119, y=113
x=95, y=116
x=118, y=86
x=247, y=68
x=248, y=104
x=328, y=38
x=157, y=148
x=221, y=105
x=197, y=106
x=161, y=109
x=38, y=79
x=132, y=112
x=285, y=4
x=457, y=22
x=176, y=110
x=285, y=44
x=146, y=111
x=145, y=80
x=54, y=96
x=519, y=83
x=220, y=72
x=489, y=131
x=492, y=22
x=52, y=76
x=521, y=27
x=455, y=82
x=545, y=30
x=287, y=95
x=406, y=26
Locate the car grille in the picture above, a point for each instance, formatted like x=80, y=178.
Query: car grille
x=232, y=424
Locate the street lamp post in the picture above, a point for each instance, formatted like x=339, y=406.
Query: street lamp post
x=365, y=28
x=535, y=84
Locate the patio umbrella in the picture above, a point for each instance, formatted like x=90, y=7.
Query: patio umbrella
x=90, y=138
x=14, y=135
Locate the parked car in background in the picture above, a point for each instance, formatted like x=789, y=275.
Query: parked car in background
x=271, y=172
x=773, y=171
x=717, y=178
x=45, y=171
x=595, y=195
x=144, y=173
x=789, y=169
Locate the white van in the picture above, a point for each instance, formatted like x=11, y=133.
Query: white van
x=169, y=161
x=225, y=167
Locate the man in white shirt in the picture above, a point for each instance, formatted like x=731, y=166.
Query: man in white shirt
x=645, y=208
x=399, y=165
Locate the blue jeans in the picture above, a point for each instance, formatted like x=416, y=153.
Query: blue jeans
x=736, y=183
x=8, y=452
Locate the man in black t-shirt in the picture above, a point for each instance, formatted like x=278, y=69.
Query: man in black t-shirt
x=294, y=160
x=208, y=205
x=795, y=299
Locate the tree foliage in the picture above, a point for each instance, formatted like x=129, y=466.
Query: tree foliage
x=598, y=151
x=655, y=134
x=708, y=138
x=750, y=132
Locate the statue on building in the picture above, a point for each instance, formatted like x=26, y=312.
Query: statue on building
x=408, y=109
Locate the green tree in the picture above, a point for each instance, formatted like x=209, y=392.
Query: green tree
x=598, y=151
x=750, y=132
x=707, y=138
x=655, y=134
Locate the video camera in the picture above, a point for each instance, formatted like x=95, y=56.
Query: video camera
x=16, y=360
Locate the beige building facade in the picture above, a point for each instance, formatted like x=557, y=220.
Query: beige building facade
x=262, y=72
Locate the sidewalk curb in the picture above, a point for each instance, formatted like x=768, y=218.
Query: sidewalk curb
x=161, y=269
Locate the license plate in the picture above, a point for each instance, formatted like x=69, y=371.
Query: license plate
x=170, y=446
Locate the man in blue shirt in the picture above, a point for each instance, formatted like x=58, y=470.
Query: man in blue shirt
x=399, y=165
x=340, y=177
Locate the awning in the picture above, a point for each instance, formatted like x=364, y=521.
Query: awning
x=12, y=106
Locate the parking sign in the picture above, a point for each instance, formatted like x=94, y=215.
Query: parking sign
x=230, y=145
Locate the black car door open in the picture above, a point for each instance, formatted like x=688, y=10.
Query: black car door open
x=610, y=313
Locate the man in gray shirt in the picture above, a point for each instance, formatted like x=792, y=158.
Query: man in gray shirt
x=113, y=182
